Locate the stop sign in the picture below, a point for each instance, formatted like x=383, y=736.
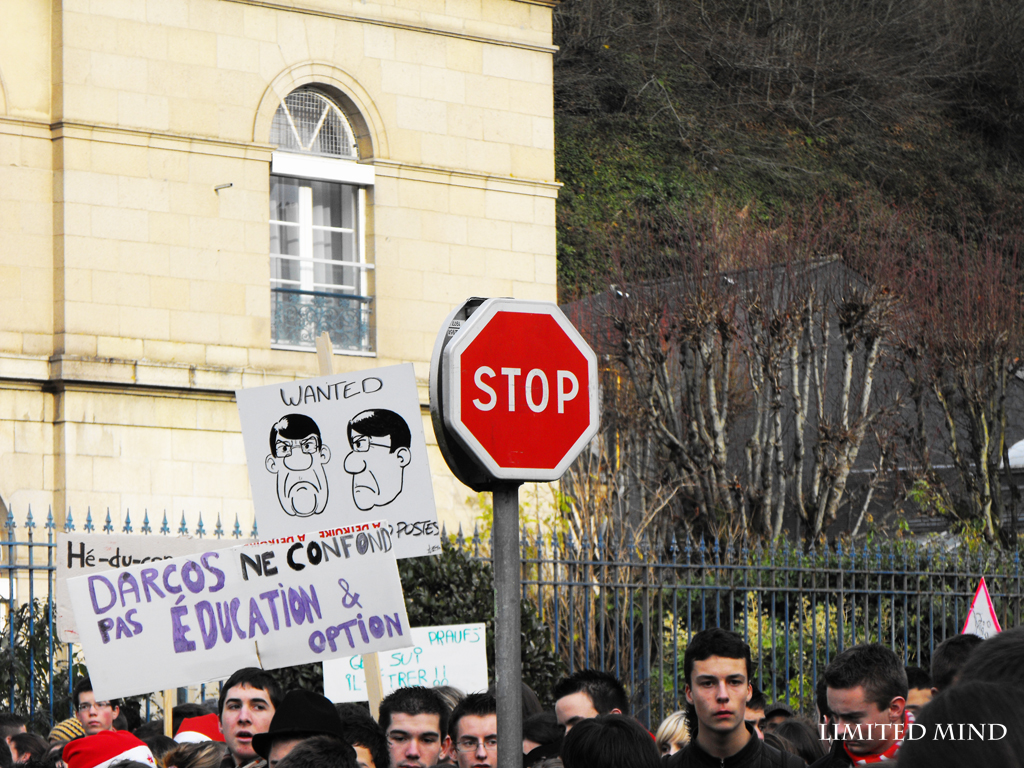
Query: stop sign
x=520, y=389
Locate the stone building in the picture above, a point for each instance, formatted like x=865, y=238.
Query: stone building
x=190, y=189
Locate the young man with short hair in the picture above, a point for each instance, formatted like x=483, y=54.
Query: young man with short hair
x=951, y=654
x=919, y=689
x=717, y=670
x=95, y=716
x=587, y=694
x=755, y=711
x=609, y=741
x=867, y=695
x=248, y=700
x=320, y=752
x=414, y=720
x=473, y=732
x=366, y=737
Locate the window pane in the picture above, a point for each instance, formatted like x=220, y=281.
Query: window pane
x=333, y=205
x=284, y=199
x=333, y=246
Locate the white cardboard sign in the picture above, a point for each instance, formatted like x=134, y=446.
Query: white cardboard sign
x=269, y=604
x=981, y=619
x=80, y=554
x=339, y=450
x=455, y=655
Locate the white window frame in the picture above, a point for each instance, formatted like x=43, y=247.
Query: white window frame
x=362, y=176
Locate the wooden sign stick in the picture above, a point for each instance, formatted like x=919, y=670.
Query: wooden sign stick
x=371, y=664
x=169, y=696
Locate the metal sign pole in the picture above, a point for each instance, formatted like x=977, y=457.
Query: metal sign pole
x=508, y=663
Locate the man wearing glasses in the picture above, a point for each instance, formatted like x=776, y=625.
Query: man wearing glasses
x=95, y=716
x=413, y=720
x=473, y=731
x=380, y=442
x=297, y=456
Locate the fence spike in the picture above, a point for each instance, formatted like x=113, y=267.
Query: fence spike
x=50, y=525
x=183, y=528
x=146, y=529
x=127, y=528
x=89, y=527
x=255, y=533
x=69, y=522
x=444, y=532
x=165, y=527
x=29, y=522
x=200, y=530
x=218, y=532
x=108, y=525
x=236, y=532
x=460, y=539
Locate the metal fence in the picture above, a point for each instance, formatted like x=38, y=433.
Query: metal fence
x=627, y=606
x=37, y=667
x=630, y=607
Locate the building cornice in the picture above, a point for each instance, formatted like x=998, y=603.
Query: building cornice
x=407, y=26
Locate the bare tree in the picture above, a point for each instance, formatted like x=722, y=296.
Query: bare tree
x=962, y=351
x=750, y=364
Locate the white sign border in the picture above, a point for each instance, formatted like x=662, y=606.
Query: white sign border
x=453, y=387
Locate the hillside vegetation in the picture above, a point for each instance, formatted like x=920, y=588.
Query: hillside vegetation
x=760, y=107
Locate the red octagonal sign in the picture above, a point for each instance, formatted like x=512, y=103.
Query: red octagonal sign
x=521, y=388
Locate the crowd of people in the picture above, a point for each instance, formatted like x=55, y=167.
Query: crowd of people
x=966, y=710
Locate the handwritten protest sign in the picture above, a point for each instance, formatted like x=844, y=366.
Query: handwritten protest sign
x=339, y=450
x=981, y=619
x=450, y=655
x=269, y=604
x=84, y=553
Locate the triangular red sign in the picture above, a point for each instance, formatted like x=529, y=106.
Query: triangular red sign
x=981, y=619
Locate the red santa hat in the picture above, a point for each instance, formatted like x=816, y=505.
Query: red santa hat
x=193, y=729
x=104, y=748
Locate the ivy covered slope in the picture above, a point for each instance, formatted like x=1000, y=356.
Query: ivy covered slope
x=663, y=108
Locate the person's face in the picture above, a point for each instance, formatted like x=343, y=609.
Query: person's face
x=95, y=716
x=570, y=709
x=850, y=708
x=414, y=741
x=301, y=480
x=917, y=698
x=476, y=744
x=247, y=711
x=364, y=758
x=756, y=718
x=670, y=748
x=279, y=750
x=376, y=471
x=719, y=689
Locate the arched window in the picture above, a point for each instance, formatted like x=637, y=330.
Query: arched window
x=319, y=276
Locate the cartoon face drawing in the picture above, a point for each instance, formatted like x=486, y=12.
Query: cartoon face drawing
x=380, y=453
x=297, y=457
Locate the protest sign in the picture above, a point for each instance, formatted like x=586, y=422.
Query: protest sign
x=79, y=554
x=449, y=655
x=981, y=619
x=338, y=450
x=269, y=604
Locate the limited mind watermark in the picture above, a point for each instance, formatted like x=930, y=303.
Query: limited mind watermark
x=915, y=732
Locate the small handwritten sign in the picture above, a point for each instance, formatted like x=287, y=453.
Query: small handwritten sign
x=339, y=450
x=450, y=655
x=80, y=554
x=269, y=604
x=981, y=619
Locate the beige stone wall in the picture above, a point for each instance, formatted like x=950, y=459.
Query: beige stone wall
x=134, y=297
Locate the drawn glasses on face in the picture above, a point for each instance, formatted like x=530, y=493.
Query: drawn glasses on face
x=362, y=443
x=283, y=448
x=85, y=706
x=472, y=745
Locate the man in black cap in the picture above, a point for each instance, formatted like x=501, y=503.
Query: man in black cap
x=301, y=715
